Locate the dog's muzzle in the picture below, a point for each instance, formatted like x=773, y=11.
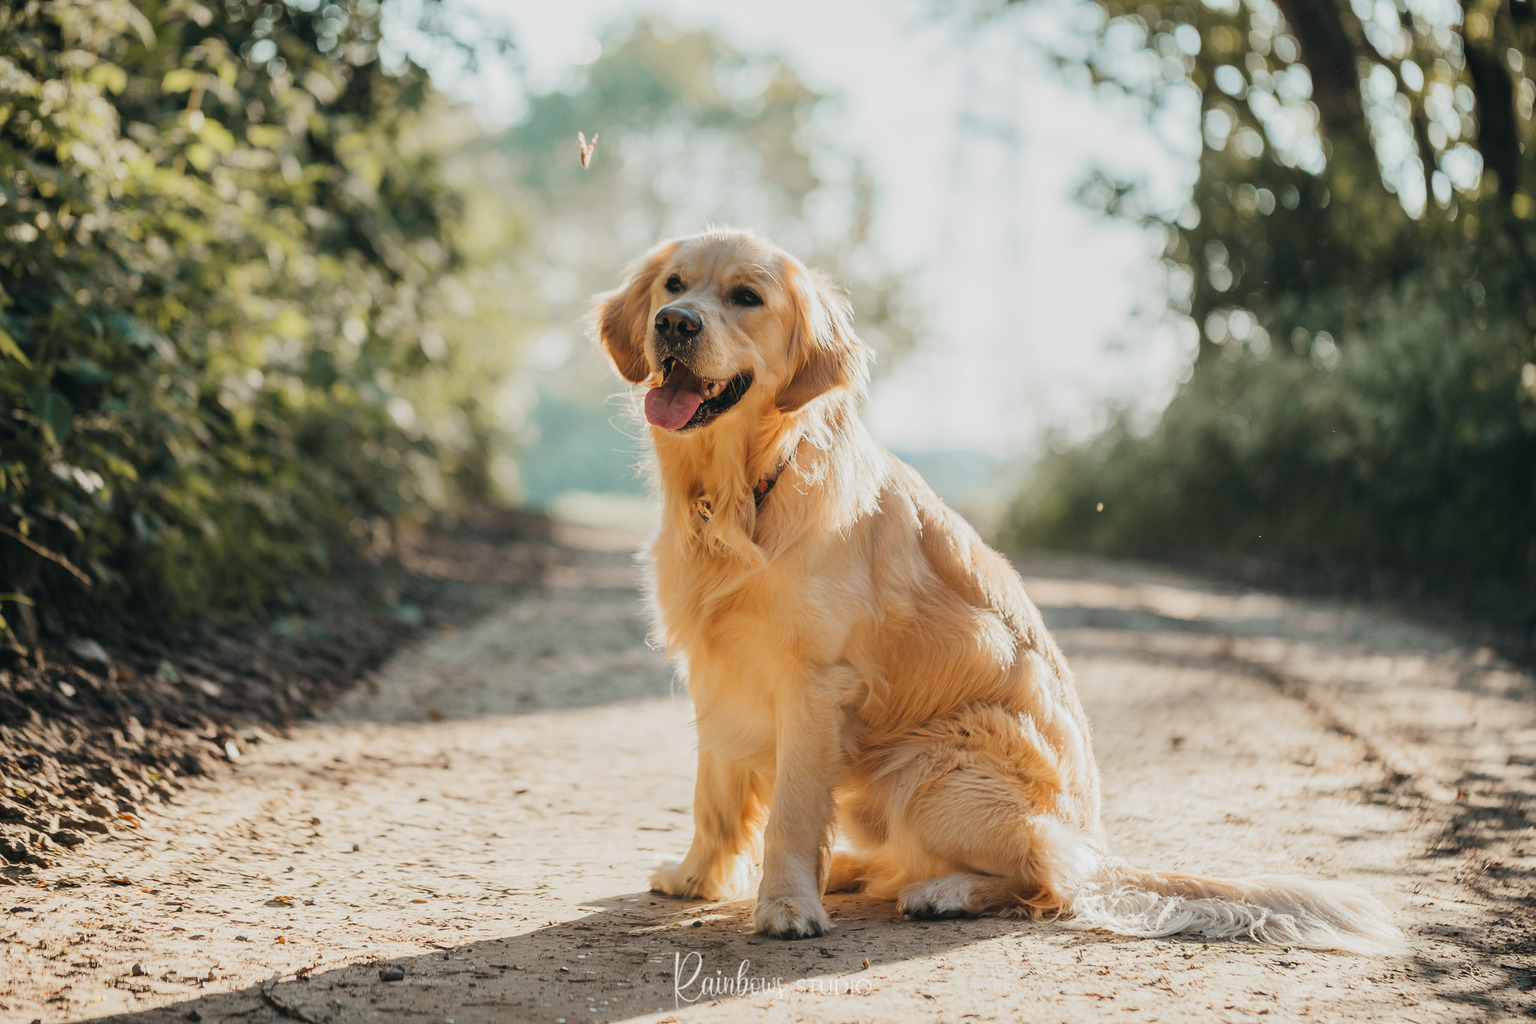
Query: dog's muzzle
x=677, y=328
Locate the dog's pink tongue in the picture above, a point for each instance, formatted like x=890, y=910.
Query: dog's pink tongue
x=673, y=404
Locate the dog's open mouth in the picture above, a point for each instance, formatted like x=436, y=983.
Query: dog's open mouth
x=685, y=400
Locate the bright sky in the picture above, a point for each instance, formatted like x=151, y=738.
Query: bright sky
x=977, y=147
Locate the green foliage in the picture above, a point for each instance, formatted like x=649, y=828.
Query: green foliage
x=223, y=237
x=1365, y=386
x=1414, y=443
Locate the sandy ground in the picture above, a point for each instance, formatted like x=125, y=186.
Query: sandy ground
x=485, y=818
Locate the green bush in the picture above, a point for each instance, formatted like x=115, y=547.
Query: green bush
x=223, y=237
x=1409, y=440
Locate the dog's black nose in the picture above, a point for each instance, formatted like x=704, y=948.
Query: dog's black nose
x=679, y=322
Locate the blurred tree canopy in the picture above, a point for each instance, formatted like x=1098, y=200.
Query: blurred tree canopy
x=230, y=262
x=691, y=132
x=1358, y=257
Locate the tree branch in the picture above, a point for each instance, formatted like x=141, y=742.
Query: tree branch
x=42, y=552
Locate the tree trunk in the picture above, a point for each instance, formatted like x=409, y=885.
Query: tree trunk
x=1498, y=138
x=1330, y=55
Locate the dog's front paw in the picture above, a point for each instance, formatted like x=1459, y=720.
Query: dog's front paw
x=791, y=917
x=732, y=882
x=674, y=879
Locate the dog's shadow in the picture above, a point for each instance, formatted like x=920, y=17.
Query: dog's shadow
x=629, y=955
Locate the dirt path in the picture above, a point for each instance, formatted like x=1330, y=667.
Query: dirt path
x=486, y=817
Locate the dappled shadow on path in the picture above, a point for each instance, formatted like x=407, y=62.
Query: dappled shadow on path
x=1484, y=841
x=631, y=954
x=1451, y=721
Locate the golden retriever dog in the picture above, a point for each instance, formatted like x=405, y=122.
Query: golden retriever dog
x=879, y=706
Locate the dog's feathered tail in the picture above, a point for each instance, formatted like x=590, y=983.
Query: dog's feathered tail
x=1277, y=910
x=1106, y=894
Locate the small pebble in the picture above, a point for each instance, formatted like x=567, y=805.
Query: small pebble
x=697, y=923
x=138, y=971
x=394, y=973
x=22, y=910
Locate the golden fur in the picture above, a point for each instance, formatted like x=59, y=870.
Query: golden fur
x=862, y=667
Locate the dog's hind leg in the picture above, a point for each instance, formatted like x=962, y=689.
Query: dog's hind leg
x=962, y=894
x=1003, y=858
x=849, y=871
x=972, y=825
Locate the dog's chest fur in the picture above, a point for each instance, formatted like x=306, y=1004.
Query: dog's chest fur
x=746, y=645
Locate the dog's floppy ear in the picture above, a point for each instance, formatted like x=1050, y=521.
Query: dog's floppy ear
x=829, y=354
x=624, y=316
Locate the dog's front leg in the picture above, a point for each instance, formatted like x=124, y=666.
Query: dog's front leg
x=798, y=840
x=727, y=813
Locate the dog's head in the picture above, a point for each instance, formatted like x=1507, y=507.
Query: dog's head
x=726, y=321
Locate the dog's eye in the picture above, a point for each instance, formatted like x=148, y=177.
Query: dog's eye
x=744, y=296
x=674, y=284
